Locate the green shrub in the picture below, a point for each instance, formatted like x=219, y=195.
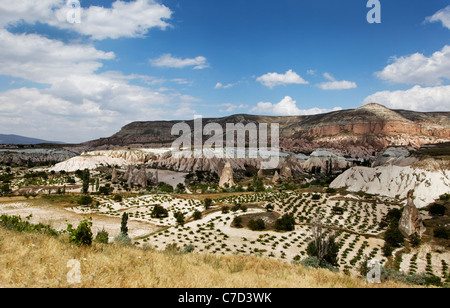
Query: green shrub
x=208, y=203
x=257, y=225
x=311, y=261
x=165, y=188
x=197, y=215
x=393, y=216
x=437, y=209
x=387, y=250
x=393, y=236
x=159, y=212
x=338, y=210
x=330, y=255
x=237, y=222
x=85, y=200
x=441, y=232
x=330, y=190
x=122, y=239
x=102, y=237
x=315, y=197
x=82, y=235
x=433, y=280
x=15, y=223
x=117, y=198
x=285, y=223
x=188, y=248
x=444, y=197
x=105, y=190
x=179, y=217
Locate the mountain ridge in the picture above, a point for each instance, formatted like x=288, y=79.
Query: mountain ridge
x=22, y=140
x=354, y=132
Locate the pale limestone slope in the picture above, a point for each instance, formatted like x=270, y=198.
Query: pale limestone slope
x=396, y=181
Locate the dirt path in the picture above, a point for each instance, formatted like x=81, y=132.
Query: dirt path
x=59, y=217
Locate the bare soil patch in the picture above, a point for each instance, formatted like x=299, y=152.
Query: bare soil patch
x=269, y=219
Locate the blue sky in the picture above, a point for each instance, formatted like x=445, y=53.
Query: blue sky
x=170, y=60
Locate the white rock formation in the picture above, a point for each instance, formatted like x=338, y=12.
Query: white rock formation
x=325, y=159
x=87, y=161
x=396, y=181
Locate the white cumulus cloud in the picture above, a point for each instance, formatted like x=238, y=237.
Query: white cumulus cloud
x=333, y=84
x=39, y=59
x=123, y=19
x=417, y=98
x=419, y=69
x=272, y=80
x=443, y=16
x=168, y=60
x=287, y=107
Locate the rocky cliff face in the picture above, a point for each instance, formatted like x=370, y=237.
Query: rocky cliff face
x=429, y=180
x=289, y=165
x=356, y=132
x=34, y=157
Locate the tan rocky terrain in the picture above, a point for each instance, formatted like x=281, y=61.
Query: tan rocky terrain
x=355, y=132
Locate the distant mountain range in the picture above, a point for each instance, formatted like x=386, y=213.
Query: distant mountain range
x=359, y=132
x=15, y=139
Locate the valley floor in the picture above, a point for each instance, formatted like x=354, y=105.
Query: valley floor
x=34, y=260
x=358, y=231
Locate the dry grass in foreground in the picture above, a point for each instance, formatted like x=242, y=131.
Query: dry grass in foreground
x=34, y=260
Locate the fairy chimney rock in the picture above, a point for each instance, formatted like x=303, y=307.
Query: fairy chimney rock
x=275, y=178
x=260, y=173
x=226, y=176
x=114, y=176
x=411, y=220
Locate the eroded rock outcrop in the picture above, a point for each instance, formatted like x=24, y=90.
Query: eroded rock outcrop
x=411, y=221
x=395, y=181
x=275, y=178
x=226, y=178
x=136, y=176
x=34, y=157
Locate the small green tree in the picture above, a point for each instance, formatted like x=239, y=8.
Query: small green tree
x=437, y=209
x=285, y=223
x=387, y=250
x=256, y=225
x=85, y=176
x=117, y=198
x=179, y=218
x=323, y=246
x=159, y=212
x=393, y=236
x=102, y=237
x=208, y=203
x=85, y=200
x=197, y=215
x=237, y=222
x=441, y=232
x=82, y=235
x=123, y=225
